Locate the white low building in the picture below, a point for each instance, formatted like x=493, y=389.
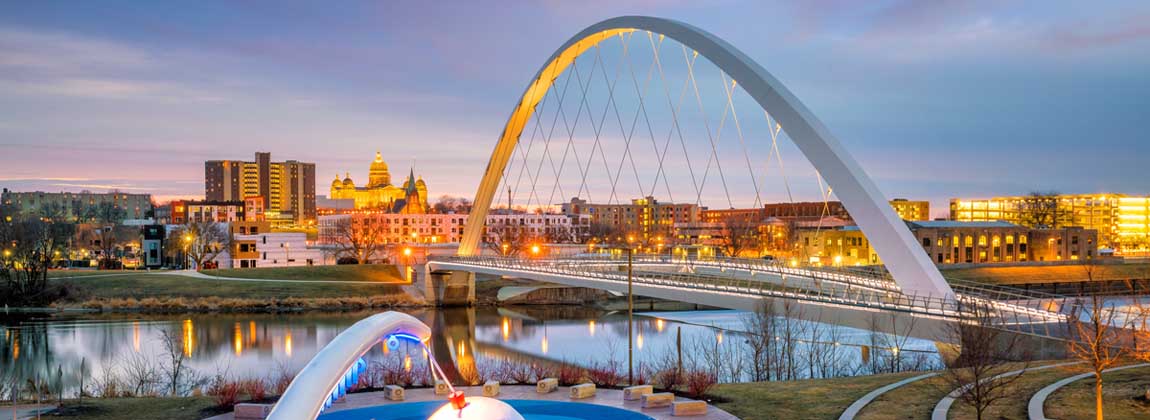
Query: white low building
x=274, y=249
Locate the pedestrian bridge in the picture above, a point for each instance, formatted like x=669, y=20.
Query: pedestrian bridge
x=859, y=298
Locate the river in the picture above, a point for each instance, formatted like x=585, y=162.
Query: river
x=255, y=345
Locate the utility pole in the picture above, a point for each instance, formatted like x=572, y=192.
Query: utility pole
x=630, y=320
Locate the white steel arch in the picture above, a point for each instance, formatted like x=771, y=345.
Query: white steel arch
x=316, y=384
x=906, y=261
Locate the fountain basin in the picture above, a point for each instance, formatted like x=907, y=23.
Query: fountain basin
x=530, y=409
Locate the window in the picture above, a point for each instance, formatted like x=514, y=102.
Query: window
x=926, y=242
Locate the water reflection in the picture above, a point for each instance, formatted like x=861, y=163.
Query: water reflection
x=464, y=339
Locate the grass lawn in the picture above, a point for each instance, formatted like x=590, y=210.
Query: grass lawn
x=145, y=285
x=806, y=399
x=1047, y=274
x=385, y=273
x=1014, y=407
x=136, y=408
x=1124, y=393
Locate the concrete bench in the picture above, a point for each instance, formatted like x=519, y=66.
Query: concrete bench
x=491, y=389
x=662, y=399
x=633, y=393
x=547, y=385
x=393, y=392
x=582, y=391
x=441, y=388
x=249, y=411
x=688, y=408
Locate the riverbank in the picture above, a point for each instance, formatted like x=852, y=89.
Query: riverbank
x=239, y=290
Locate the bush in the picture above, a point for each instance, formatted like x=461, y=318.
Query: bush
x=668, y=379
x=224, y=392
x=255, y=388
x=570, y=375
x=605, y=376
x=700, y=382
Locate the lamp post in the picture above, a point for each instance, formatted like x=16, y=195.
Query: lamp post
x=187, y=257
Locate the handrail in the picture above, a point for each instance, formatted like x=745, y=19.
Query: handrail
x=1011, y=308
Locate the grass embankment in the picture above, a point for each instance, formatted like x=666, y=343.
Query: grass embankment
x=1125, y=393
x=192, y=408
x=806, y=399
x=143, y=291
x=383, y=273
x=1048, y=274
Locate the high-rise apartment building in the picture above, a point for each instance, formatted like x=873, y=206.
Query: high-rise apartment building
x=1122, y=222
x=287, y=189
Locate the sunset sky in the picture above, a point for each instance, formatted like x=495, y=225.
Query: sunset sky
x=935, y=99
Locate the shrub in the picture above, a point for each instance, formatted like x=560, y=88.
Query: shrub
x=605, y=376
x=668, y=379
x=699, y=382
x=570, y=375
x=255, y=388
x=224, y=392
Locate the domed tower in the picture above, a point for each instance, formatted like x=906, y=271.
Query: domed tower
x=348, y=184
x=336, y=188
x=421, y=187
x=378, y=175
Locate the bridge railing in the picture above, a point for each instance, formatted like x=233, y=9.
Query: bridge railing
x=1023, y=312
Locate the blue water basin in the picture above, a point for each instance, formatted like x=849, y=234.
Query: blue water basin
x=530, y=409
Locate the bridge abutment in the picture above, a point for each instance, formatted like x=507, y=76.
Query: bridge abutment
x=451, y=288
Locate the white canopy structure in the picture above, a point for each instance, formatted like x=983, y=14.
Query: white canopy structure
x=337, y=366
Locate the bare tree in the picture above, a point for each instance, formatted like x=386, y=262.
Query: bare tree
x=508, y=238
x=1095, y=337
x=29, y=248
x=739, y=235
x=174, y=363
x=448, y=204
x=357, y=238
x=204, y=241
x=1043, y=209
x=985, y=354
x=761, y=326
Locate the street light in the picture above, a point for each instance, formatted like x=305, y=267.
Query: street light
x=187, y=257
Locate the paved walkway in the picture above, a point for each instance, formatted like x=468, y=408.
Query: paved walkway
x=24, y=411
x=1035, y=408
x=943, y=406
x=861, y=403
x=199, y=275
x=608, y=397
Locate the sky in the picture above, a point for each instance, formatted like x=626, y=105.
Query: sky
x=934, y=99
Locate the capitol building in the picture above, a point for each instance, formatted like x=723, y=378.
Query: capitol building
x=380, y=193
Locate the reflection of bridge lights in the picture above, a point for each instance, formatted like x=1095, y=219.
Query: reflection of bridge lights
x=659, y=325
x=287, y=344
x=238, y=339
x=639, y=341
x=506, y=329
x=543, y=345
x=719, y=337
x=136, y=336
x=407, y=363
x=591, y=327
x=189, y=338
x=251, y=332
x=461, y=350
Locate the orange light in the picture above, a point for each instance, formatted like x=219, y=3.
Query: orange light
x=287, y=344
x=591, y=327
x=407, y=252
x=534, y=249
x=506, y=329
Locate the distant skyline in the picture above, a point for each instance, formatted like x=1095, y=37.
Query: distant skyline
x=934, y=99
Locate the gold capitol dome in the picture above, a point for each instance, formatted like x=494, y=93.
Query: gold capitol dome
x=380, y=194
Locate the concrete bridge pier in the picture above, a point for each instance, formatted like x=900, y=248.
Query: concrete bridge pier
x=449, y=288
